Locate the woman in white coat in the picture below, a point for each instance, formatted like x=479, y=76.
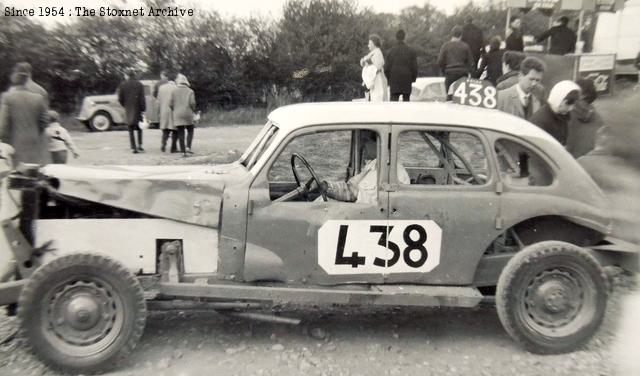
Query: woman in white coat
x=377, y=84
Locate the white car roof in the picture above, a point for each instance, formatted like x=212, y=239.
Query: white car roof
x=292, y=117
x=422, y=82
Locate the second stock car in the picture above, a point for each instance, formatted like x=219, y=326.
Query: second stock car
x=403, y=204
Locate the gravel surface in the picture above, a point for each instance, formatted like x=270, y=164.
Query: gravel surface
x=330, y=340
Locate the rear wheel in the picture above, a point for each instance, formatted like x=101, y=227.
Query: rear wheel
x=551, y=297
x=100, y=121
x=81, y=312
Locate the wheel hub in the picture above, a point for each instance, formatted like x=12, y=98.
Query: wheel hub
x=81, y=313
x=553, y=298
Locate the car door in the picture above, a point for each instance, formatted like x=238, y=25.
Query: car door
x=308, y=240
x=450, y=203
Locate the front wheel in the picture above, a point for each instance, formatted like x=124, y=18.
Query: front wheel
x=551, y=297
x=100, y=122
x=81, y=312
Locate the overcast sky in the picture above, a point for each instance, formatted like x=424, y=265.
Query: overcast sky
x=240, y=8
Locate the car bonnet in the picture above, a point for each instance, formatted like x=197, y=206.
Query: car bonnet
x=191, y=194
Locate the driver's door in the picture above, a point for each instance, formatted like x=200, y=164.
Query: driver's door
x=305, y=239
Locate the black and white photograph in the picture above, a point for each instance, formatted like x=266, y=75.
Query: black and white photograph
x=319, y=187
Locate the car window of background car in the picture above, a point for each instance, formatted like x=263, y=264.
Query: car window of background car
x=326, y=152
x=521, y=166
x=422, y=161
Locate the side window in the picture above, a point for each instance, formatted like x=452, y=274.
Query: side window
x=442, y=158
x=326, y=152
x=520, y=166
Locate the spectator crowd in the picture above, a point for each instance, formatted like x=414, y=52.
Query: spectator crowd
x=566, y=113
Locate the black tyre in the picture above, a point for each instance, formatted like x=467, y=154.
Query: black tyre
x=81, y=312
x=551, y=297
x=100, y=122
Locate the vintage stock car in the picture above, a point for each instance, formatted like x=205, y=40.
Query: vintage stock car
x=442, y=205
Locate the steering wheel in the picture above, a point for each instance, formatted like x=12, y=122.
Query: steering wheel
x=306, y=186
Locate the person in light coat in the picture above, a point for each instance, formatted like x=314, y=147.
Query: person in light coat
x=378, y=91
x=183, y=105
x=30, y=85
x=166, y=116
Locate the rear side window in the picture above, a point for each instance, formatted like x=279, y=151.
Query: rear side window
x=442, y=158
x=521, y=166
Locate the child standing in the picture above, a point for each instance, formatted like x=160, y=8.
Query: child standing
x=59, y=140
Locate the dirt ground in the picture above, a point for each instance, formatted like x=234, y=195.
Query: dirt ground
x=330, y=340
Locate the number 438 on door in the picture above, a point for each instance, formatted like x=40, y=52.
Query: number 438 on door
x=379, y=247
x=476, y=93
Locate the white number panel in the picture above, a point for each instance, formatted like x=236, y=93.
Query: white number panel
x=476, y=93
x=365, y=247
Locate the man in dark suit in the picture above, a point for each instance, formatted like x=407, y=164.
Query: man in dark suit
x=131, y=97
x=401, y=68
x=473, y=36
x=520, y=99
x=514, y=41
x=563, y=39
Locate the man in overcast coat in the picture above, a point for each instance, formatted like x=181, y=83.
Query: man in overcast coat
x=401, y=69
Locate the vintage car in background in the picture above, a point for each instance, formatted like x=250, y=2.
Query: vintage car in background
x=100, y=113
x=450, y=206
x=428, y=89
x=424, y=89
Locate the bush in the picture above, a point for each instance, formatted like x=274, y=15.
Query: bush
x=311, y=54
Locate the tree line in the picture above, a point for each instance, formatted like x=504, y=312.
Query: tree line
x=311, y=53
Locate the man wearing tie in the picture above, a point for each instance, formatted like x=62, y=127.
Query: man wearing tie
x=519, y=99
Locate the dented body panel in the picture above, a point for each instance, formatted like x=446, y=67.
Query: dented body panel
x=191, y=194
